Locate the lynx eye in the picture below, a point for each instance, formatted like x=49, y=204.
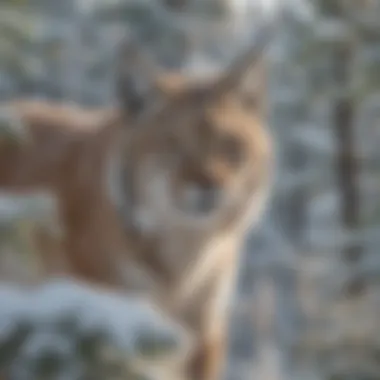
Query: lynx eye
x=232, y=149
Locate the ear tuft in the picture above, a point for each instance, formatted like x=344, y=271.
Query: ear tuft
x=254, y=89
x=246, y=76
x=135, y=81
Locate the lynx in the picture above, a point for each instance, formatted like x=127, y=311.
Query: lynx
x=155, y=194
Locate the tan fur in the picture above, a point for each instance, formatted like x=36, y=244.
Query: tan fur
x=135, y=202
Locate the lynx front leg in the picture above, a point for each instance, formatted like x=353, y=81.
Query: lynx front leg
x=210, y=355
x=207, y=362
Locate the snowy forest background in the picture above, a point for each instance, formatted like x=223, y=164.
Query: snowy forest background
x=308, y=297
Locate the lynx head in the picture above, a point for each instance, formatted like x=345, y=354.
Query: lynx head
x=199, y=150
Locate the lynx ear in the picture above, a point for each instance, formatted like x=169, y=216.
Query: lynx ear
x=136, y=88
x=246, y=76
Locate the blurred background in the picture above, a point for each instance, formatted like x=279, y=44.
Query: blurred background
x=307, y=304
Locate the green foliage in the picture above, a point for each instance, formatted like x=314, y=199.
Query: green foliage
x=11, y=345
x=94, y=353
x=330, y=7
